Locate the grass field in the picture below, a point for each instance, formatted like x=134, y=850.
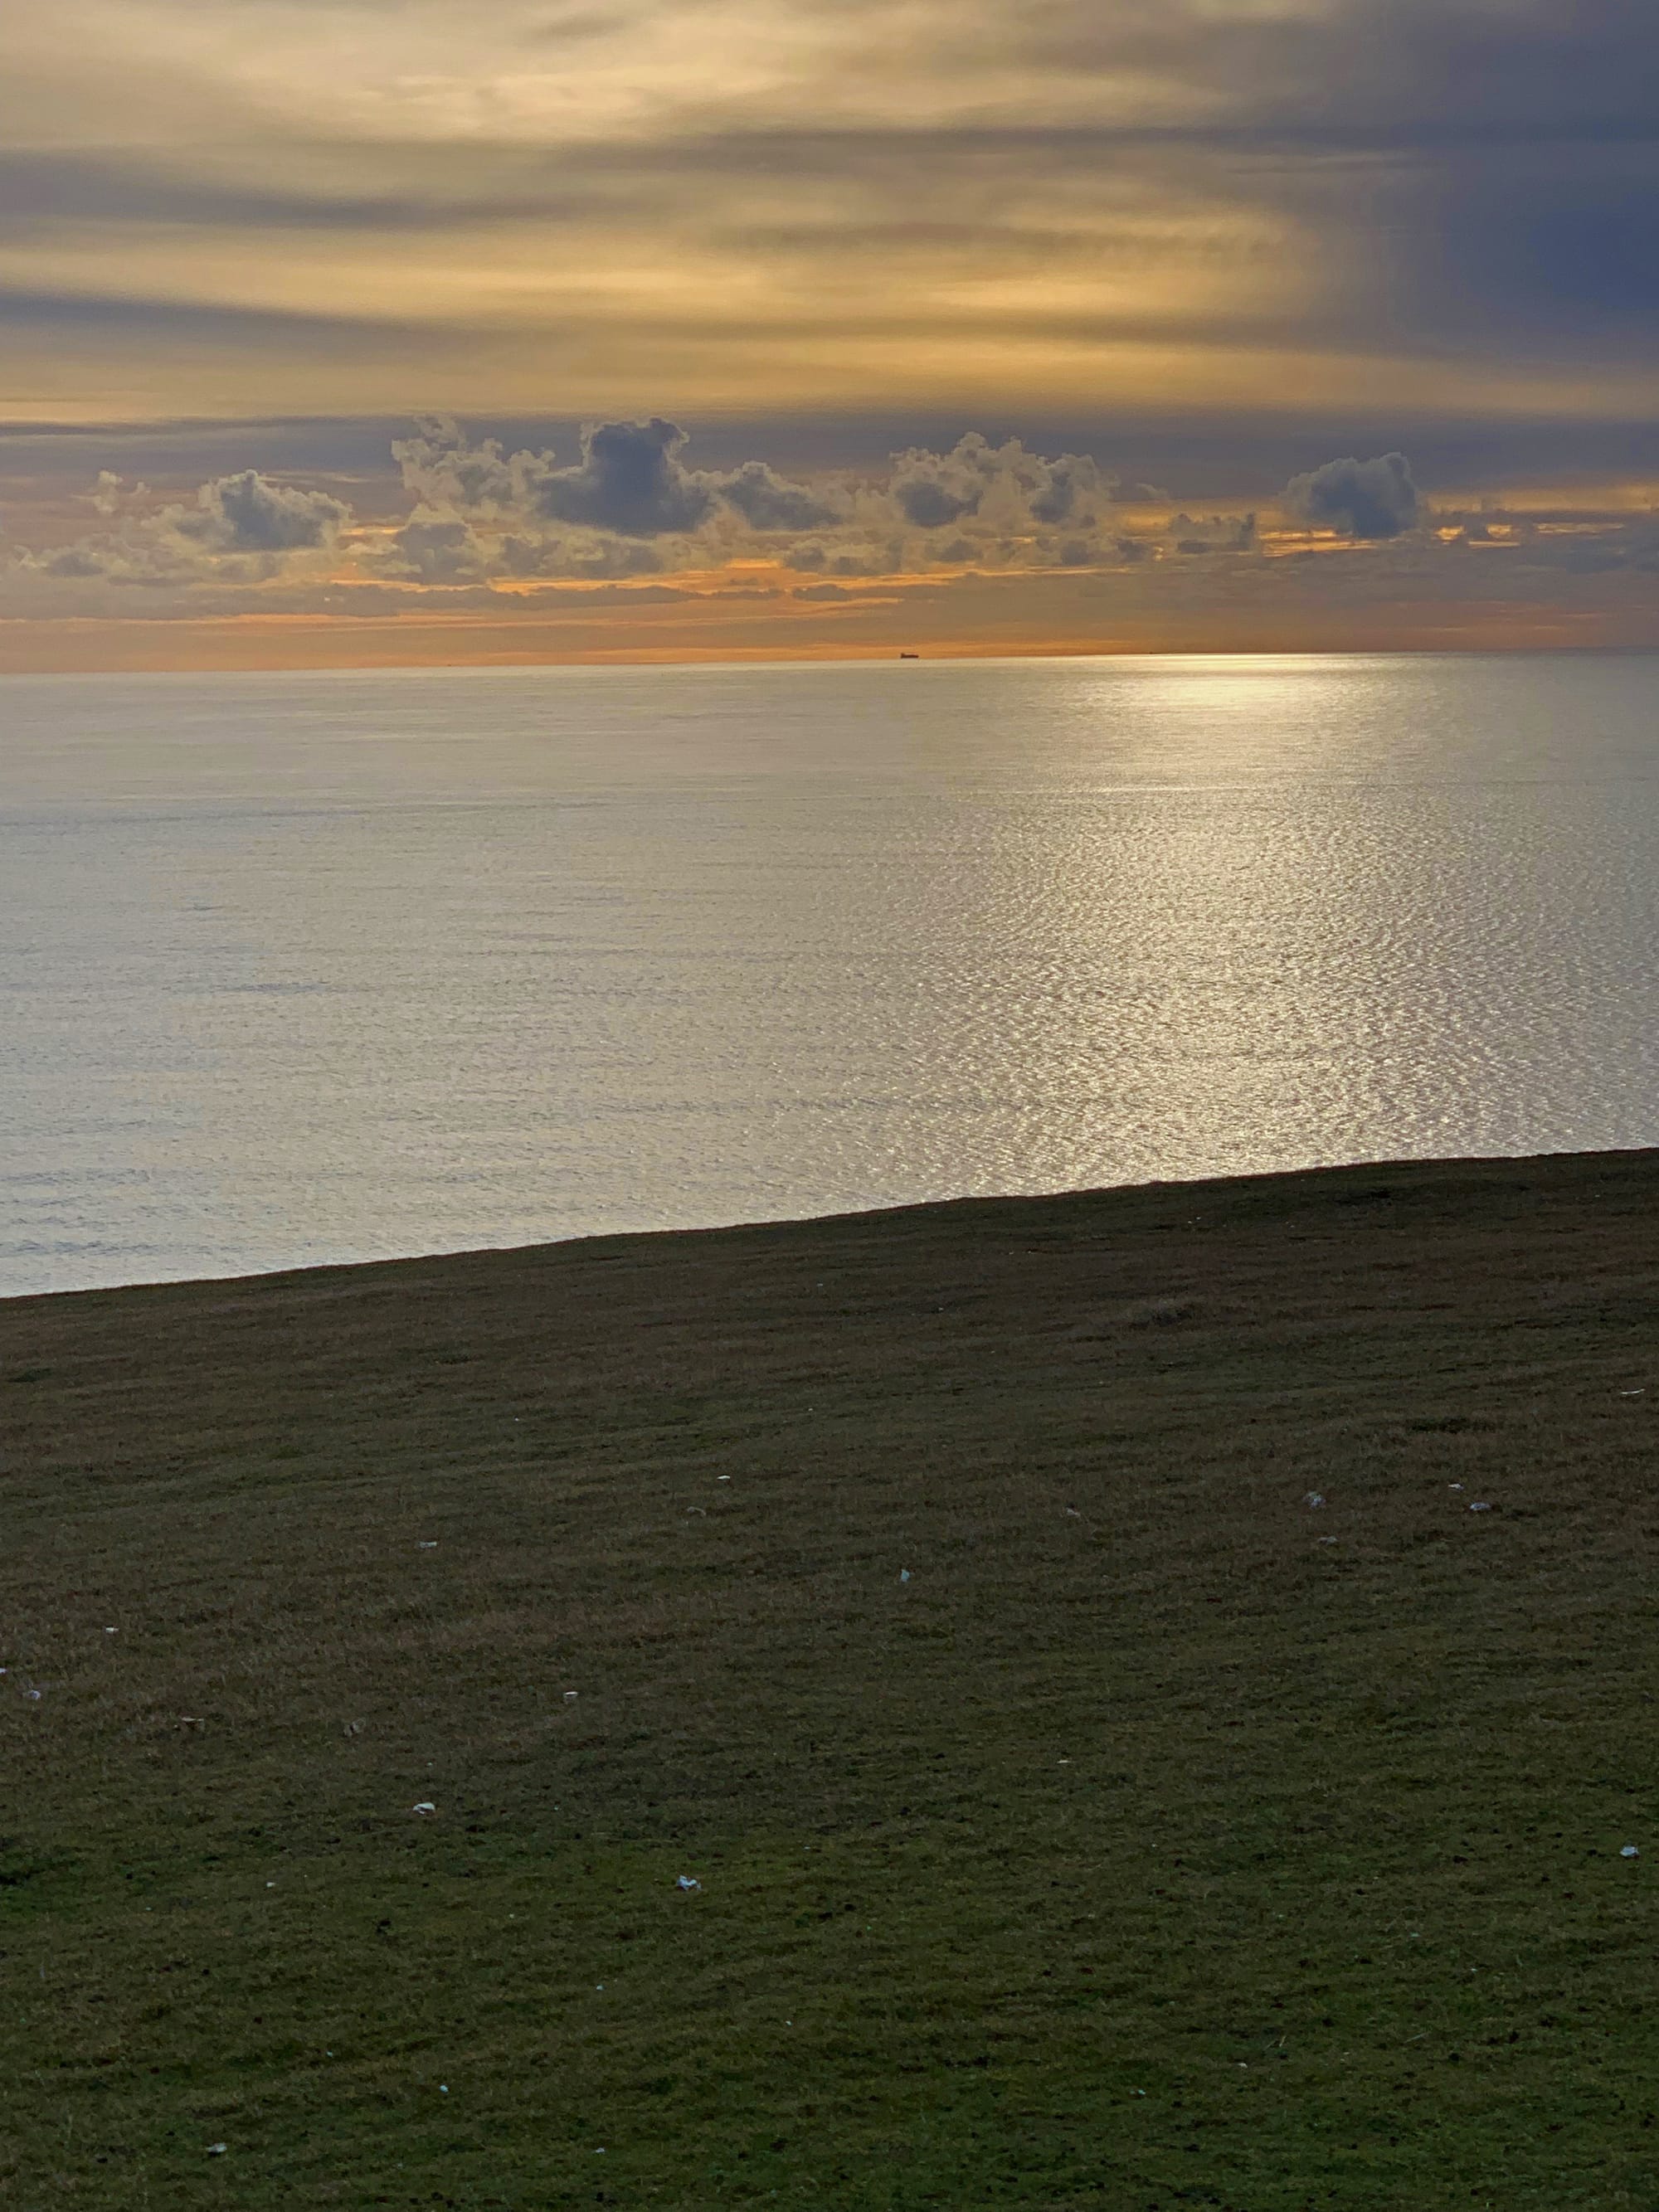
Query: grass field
x=1163, y=1840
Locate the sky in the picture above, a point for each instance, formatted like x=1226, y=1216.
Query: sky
x=345, y=332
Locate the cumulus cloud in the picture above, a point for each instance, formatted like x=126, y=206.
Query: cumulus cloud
x=1007, y=490
x=437, y=549
x=767, y=500
x=248, y=513
x=450, y=473
x=630, y=504
x=110, y=493
x=629, y=480
x=244, y=526
x=1371, y=500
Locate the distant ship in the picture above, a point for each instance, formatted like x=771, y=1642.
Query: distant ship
x=909, y=656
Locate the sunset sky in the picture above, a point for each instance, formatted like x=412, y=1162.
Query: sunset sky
x=350, y=331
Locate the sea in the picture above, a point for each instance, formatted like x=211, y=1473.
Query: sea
x=310, y=968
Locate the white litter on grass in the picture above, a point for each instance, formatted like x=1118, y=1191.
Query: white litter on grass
x=904, y=1574
x=217, y=2150
x=1328, y=1540
x=1313, y=1499
x=1075, y=1514
x=1481, y=1508
x=722, y=1478
x=1630, y=1851
x=686, y=1882
x=430, y=1547
x=1456, y=1485
x=571, y=1696
x=34, y=1694
x=425, y=1806
x=443, y=2088
x=1633, y=1394
x=109, y=1631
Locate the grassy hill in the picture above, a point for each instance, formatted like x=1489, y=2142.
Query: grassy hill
x=1165, y=1839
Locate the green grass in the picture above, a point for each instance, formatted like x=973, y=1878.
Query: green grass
x=1143, y=1851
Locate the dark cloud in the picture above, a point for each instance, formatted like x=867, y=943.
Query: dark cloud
x=1067, y=486
x=248, y=513
x=925, y=493
x=628, y=479
x=1008, y=484
x=1371, y=500
x=1561, y=251
x=767, y=500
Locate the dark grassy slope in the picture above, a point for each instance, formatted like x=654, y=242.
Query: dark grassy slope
x=1164, y=1841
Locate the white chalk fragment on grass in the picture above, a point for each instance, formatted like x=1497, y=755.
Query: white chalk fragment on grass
x=1314, y=1500
x=425, y=1806
x=1630, y=1851
x=686, y=1881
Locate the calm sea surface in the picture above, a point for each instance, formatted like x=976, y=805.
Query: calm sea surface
x=330, y=967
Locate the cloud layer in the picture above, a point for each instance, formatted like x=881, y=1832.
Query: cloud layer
x=1321, y=205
